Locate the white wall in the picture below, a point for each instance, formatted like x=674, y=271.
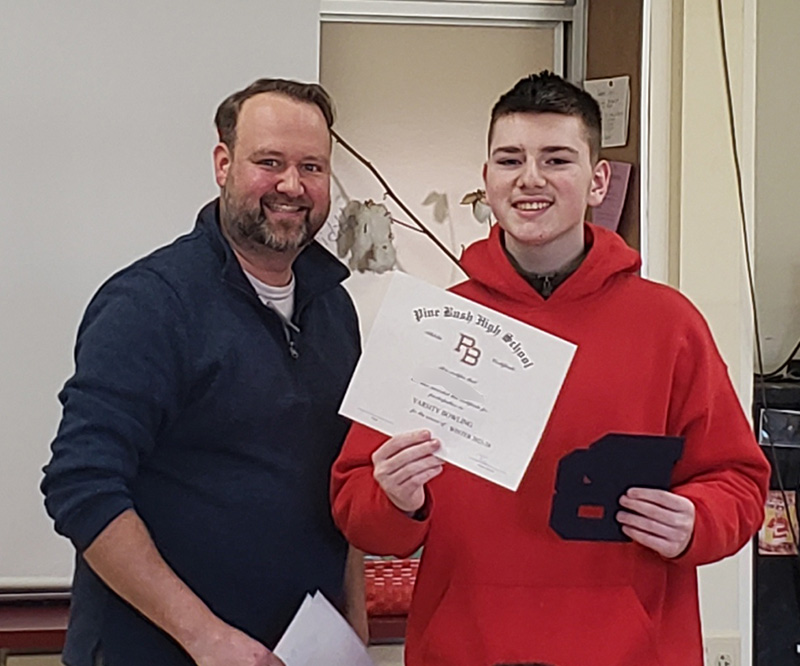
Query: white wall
x=777, y=175
x=107, y=111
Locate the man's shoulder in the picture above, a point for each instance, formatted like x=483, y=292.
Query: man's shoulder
x=180, y=263
x=160, y=287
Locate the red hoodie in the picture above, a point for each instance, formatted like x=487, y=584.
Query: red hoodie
x=496, y=584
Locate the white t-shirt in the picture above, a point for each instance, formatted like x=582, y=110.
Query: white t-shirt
x=280, y=299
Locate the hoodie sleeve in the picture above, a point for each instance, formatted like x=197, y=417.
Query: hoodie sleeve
x=361, y=509
x=125, y=391
x=722, y=471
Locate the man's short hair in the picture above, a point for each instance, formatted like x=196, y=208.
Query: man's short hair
x=228, y=112
x=546, y=92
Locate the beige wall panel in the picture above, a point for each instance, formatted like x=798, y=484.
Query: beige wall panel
x=415, y=101
x=711, y=248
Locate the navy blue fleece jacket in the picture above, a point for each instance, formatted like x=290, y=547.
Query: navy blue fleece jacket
x=188, y=405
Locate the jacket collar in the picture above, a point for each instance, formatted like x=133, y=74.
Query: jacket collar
x=607, y=257
x=315, y=270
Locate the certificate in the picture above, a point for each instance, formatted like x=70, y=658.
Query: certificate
x=483, y=383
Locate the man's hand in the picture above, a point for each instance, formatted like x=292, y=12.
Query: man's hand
x=126, y=558
x=230, y=647
x=657, y=519
x=403, y=465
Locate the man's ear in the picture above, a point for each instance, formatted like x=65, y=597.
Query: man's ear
x=600, y=180
x=222, y=163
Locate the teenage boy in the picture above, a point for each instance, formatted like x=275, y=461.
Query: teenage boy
x=496, y=583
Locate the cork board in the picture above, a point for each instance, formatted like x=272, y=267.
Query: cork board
x=614, y=48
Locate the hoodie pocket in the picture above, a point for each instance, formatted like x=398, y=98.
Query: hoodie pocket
x=484, y=625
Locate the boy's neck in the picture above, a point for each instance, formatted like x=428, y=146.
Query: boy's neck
x=546, y=283
x=553, y=257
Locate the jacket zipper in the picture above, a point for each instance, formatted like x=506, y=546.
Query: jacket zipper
x=289, y=327
x=289, y=331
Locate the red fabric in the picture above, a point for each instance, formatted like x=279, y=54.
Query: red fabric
x=496, y=584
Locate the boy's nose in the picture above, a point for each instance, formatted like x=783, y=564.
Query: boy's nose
x=531, y=175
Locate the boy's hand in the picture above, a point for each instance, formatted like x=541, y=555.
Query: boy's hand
x=403, y=465
x=658, y=519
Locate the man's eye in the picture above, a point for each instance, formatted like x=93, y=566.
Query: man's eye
x=557, y=161
x=313, y=168
x=508, y=161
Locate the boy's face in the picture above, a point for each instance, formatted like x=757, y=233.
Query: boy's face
x=539, y=180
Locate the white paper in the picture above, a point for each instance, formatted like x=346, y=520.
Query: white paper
x=614, y=97
x=482, y=382
x=318, y=634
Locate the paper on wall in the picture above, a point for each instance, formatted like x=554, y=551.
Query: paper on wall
x=614, y=97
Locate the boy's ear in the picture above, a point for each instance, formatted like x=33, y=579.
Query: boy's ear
x=601, y=177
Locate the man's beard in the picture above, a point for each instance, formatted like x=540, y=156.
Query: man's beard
x=254, y=227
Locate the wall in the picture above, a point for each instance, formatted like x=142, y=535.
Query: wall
x=107, y=115
x=777, y=235
x=710, y=257
x=418, y=109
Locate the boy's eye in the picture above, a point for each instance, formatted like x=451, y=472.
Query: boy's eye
x=509, y=161
x=557, y=161
x=268, y=162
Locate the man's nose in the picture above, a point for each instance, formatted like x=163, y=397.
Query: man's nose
x=531, y=175
x=290, y=182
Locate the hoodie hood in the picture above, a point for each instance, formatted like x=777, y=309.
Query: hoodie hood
x=608, y=258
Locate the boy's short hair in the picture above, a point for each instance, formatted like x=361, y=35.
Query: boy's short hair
x=546, y=92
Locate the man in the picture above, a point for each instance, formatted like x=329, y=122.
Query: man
x=191, y=467
x=496, y=583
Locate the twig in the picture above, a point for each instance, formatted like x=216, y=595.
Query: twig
x=390, y=193
x=407, y=225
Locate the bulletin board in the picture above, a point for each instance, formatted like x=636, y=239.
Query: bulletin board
x=614, y=48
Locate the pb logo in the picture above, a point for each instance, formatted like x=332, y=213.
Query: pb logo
x=469, y=348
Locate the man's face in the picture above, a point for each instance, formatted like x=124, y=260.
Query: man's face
x=275, y=183
x=539, y=180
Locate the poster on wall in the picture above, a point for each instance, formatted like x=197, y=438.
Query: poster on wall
x=777, y=536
